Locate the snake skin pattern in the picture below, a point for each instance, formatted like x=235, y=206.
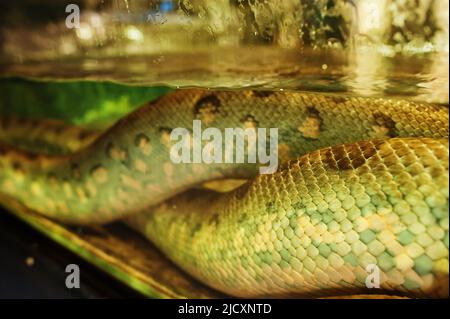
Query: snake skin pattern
x=47, y=136
x=310, y=229
x=314, y=227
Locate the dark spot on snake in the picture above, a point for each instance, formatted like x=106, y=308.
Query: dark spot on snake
x=99, y=173
x=386, y=121
x=214, y=219
x=367, y=150
x=242, y=191
x=95, y=167
x=301, y=161
x=207, y=101
x=58, y=129
x=242, y=217
x=164, y=130
x=338, y=99
x=141, y=137
x=109, y=150
x=358, y=161
x=297, y=205
x=4, y=122
x=262, y=93
x=65, y=179
x=21, y=121
x=338, y=152
x=350, y=156
x=271, y=207
x=337, y=158
x=312, y=111
x=328, y=159
x=142, y=141
x=75, y=169
x=370, y=148
x=344, y=163
x=16, y=166
x=352, y=151
x=30, y=156
x=83, y=134
x=118, y=153
x=3, y=150
x=313, y=124
x=250, y=118
x=195, y=229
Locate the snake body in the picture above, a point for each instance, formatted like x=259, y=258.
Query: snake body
x=367, y=184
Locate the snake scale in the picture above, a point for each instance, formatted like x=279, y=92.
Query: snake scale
x=364, y=181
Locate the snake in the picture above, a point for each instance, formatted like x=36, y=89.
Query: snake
x=363, y=184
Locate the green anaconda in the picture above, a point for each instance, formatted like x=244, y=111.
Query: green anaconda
x=363, y=182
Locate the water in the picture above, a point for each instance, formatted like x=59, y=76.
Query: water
x=366, y=73
x=379, y=48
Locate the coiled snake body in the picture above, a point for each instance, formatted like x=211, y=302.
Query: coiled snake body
x=366, y=184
